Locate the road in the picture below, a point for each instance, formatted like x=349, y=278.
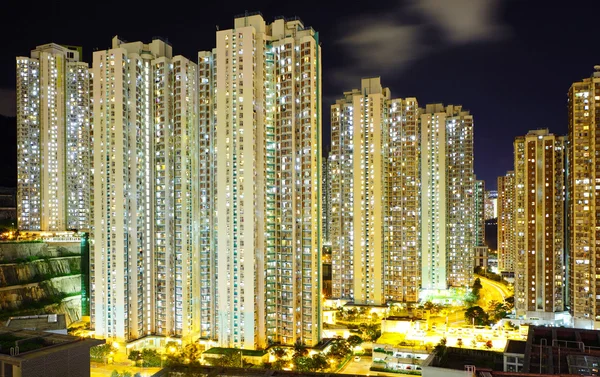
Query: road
x=361, y=367
x=493, y=290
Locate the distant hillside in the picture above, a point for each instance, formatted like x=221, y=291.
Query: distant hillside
x=8, y=151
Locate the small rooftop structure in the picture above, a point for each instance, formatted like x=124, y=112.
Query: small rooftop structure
x=515, y=346
x=54, y=323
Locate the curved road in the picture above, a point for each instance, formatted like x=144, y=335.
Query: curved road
x=501, y=289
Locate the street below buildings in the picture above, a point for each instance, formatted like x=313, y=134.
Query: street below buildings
x=493, y=290
x=358, y=367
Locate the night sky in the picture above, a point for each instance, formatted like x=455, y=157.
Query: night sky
x=509, y=62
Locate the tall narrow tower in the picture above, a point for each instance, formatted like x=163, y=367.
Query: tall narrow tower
x=447, y=197
x=260, y=116
x=53, y=140
x=583, y=192
x=401, y=197
x=540, y=223
x=358, y=123
x=506, y=223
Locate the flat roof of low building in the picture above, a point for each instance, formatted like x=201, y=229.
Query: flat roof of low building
x=25, y=344
x=45, y=322
x=458, y=358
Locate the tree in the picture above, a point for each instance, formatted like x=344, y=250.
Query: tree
x=319, y=362
x=473, y=343
x=299, y=350
x=150, y=358
x=459, y=343
x=477, y=315
x=134, y=355
x=354, y=340
x=370, y=331
x=362, y=311
x=339, y=349
x=440, y=349
x=470, y=299
x=497, y=310
x=351, y=314
x=102, y=351
x=279, y=352
x=489, y=344
x=477, y=287
x=115, y=374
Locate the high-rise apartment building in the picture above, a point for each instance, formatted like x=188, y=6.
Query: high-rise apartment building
x=53, y=140
x=583, y=268
x=357, y=150
x=506, y=223
x=539, y=210
x=479, y=213
x=260, y=184
x=491, y=204
x=374, y=196
x=144, y=257
x=401, y=231
x=447, y=197
x=326, y=200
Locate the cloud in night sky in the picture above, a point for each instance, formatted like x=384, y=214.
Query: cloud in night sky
x=378, y=44
x=8, y=102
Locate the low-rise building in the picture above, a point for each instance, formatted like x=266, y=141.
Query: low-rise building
x=514, y=355
x=481, y=256
x=406, y=357
x=548, y=351
x=26, y=353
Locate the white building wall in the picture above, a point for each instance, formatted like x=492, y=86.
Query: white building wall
x=145, y=158
x=260, y=88
x=53, y=140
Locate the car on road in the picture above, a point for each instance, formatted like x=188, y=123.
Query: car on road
x=356, y=358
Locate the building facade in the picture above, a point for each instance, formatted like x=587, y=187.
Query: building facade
x=260, y=184
x=401, y=231
x=53, y=140
x=583, y=268
x=479, y=213
x=143, y=250
x=540, y=223
x=374, y=196
x=506, y=223
x=447, y=197
x=358, y=184
x=491, y=204
x=325, y=200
